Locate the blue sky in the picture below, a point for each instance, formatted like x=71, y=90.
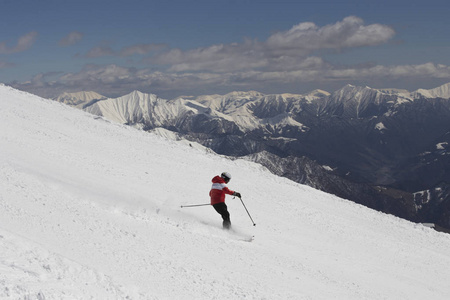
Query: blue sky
x=176, y=47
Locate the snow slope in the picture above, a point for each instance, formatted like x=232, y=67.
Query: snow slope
x=91, y=210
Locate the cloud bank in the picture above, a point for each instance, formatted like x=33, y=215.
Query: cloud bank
x=113, y=80
x=281, y=51
x=71, y=39
x=24, y=43
x=290, y=58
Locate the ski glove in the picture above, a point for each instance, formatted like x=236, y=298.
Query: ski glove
x=237, y=194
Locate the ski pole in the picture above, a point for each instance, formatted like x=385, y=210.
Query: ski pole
x=247, y=211
x=182, y=206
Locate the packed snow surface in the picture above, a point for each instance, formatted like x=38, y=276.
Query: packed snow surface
x=90, y=209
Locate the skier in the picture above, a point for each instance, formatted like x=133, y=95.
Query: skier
x=217, y=194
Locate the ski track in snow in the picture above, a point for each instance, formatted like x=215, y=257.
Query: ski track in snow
x=91, y=210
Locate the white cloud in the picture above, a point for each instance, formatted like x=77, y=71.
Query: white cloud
x=348, y=33
x=71, y=39
x=23, y=43
x=141, y=49
x=99, y=51
x=104, y=49
x=288, y=49
x=217, y=58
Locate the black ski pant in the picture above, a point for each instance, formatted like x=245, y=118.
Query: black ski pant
x=221, y=208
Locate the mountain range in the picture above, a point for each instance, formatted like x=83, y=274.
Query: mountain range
x=387, y=149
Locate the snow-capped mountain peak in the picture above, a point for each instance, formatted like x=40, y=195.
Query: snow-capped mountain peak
x=442, y=91
x=316, y=94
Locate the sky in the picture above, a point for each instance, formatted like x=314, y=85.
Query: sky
x=188, y=48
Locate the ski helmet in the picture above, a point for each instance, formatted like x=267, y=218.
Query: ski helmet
x=226, y=176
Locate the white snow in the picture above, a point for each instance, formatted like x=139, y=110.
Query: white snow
x=441, y=146
x=380, y=126
x=174, y=136
x=328, y=168
x=283, y=120
x=90, y=209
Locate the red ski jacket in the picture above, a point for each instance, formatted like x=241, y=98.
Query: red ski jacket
x=218, y=190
